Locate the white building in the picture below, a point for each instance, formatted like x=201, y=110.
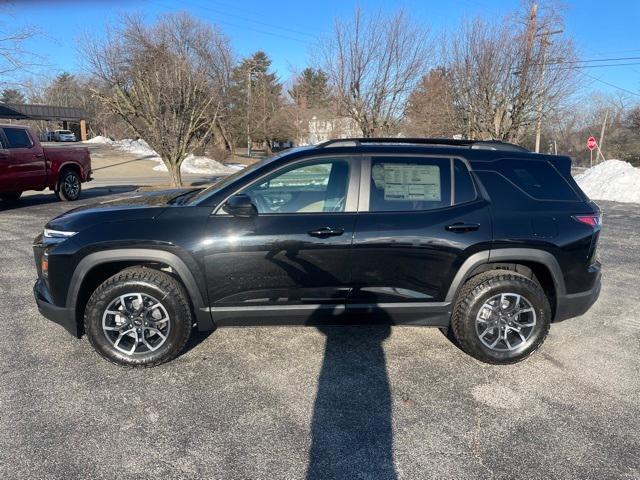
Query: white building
x=320, y=130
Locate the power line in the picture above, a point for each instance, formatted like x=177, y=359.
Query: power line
x=245, y=27
x=562, y=62
x=244, y=18
x=259, y=14
x=580, y=67
x=610, y=84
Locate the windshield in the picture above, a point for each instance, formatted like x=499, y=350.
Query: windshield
x=224, y=181
x=64, y=132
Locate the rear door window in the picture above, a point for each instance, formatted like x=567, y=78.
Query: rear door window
x=538, y=179
x=17, y=138
x=409, y=184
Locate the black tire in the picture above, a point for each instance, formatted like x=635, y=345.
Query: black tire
x=152, y=283
x=10, y=197
x=69, y=186
x=482, y=288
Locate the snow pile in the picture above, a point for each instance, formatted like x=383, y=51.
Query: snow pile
x=136, y=147
x=99, y=139
x=613, y=180
x=200, y=165
x=191, y=164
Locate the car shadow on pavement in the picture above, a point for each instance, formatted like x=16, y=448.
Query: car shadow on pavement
x=351, y=430
x=49, y=197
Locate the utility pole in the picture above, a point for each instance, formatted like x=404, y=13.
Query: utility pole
x=601, y=141
x=249, y=72
x=545, y=42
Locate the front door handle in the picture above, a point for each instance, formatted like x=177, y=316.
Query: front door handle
x=325, y=232
x=462, y=227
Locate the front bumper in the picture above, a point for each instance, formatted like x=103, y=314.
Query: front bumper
x=60, y=315
x=576, y=304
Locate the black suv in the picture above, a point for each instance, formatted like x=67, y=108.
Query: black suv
x=484, y=239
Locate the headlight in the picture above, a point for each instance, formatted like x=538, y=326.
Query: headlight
x=48, y=233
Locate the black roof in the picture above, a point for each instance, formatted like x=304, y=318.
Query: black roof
x=449, y=142
x=41, y=112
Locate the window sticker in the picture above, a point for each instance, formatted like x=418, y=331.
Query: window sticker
x=408, y=182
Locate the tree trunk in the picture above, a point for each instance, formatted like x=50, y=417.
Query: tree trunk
x=174, y=172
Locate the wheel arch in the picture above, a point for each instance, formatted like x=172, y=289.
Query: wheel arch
x=109, y=262
x=526, y=261
x=68, y=165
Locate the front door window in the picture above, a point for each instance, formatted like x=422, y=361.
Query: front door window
x=318, y=187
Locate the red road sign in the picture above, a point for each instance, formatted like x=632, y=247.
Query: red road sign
x=591, y=143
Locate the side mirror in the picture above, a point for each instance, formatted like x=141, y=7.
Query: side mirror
x=240, y=206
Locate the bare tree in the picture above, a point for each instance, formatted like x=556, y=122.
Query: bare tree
x=164, y=80
x=373, y=64
x=14, y=57
x=506, y=74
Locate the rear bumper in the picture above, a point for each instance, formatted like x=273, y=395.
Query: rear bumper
x=60, y=315
x=576, y=304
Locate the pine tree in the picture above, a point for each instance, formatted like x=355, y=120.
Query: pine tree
x=311, y=90
x=255, y=101
x=11, y=95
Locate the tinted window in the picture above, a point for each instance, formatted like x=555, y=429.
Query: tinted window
x=402, y=184
x=17, y=137
x=537, y=178
x=310, y=188
x=465, y=191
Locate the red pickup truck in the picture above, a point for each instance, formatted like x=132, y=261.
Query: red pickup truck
x=27, y=165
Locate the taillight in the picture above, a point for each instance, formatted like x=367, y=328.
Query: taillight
x=592, y=220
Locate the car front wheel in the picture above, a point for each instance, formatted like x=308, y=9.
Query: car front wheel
x=139, y=317
x=501, y=317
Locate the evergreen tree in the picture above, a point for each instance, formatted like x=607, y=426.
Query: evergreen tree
x=255, y=101
x=311, y=90
x=11, y=95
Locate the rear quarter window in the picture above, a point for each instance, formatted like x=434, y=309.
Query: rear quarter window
x=465, y=191
x=537, y=178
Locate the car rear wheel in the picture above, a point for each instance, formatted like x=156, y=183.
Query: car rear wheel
x=140, y=317
x=10, y=197
x=69, y=186
x=501, y=317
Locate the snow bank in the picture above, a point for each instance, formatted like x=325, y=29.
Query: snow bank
x=99, y=139
x=613, y=180
x=136, y=147
x=200, y=165
x=191, y=164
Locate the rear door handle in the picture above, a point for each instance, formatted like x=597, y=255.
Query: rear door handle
x=325, y=232
x=462, y=227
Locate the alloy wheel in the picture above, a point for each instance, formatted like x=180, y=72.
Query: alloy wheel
x=71, y=186
x=136, y=323
x=505, y=322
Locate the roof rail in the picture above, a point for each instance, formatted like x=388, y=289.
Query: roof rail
x=475, y=144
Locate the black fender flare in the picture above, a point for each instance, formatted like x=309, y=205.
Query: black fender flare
x=203, y=316
x=507, y=255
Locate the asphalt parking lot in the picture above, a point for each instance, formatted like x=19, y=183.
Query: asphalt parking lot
x=290, y=403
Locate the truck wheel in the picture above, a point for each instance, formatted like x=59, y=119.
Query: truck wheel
x=139, y=317
x=69, y=186
x=501, y=317
x=10, y=197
